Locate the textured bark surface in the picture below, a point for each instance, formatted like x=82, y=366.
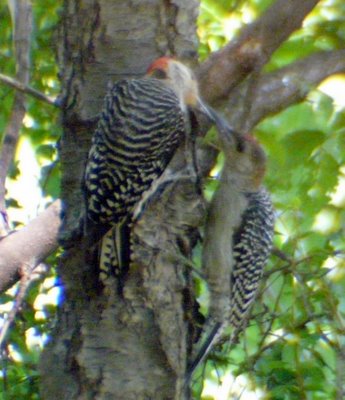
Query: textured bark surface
x=106, y=346
x=249, y=100
x=136, y=347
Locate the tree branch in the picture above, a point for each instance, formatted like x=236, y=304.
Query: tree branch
x=14, y=83
x=25, y=280
x=30, y=245
x=300, y=77
x=272, y=93
x=277, y=90
x=21, y=13
x=226, y=68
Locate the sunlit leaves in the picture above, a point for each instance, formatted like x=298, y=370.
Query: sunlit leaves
x=19, y=356
x=291, y=347
x=221, y=21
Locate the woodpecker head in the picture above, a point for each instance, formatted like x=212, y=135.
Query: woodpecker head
x=182, y=81
x=245, y=161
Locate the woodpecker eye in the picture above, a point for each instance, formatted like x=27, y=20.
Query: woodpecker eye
x=241, y=145
x=159, y=74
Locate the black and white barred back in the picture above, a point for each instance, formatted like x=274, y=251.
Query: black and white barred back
x=252, y=245
x=141, y=126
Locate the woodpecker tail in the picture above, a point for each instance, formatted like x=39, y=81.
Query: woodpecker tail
x=210, y=336
x=115, y=254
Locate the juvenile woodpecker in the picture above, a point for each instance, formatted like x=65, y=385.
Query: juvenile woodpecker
x=142, y=123
x=238, y=240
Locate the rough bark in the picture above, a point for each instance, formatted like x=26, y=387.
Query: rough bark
x=106, y=346
x=134, y=347
x=249, y=102
x=244, y=108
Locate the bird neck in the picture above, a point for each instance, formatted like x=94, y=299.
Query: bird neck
x=242, y=181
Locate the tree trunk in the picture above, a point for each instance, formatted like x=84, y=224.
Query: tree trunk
x=133, y=346
x=137, y=345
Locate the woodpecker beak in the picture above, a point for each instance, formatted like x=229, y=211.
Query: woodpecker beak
x=226, y=132
x=224, y=129
x=207, y=111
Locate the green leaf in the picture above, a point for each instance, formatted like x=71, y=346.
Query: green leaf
x=301, y=144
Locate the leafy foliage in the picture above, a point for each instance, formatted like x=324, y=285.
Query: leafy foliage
x=293, y=346
x=19, y=356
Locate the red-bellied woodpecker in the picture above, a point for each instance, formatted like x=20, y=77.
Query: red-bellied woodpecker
x=142, y=123
x=238, y=240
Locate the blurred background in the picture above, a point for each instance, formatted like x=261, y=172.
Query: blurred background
x=294, y=346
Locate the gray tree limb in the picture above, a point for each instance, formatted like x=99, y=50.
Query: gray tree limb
x=29, y=245
x=226, y=68
x=285, y=87
x=273, y=92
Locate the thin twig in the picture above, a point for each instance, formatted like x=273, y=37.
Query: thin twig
x=280, y=254
x=29, y=273
x=14, y=83
x=23, y=286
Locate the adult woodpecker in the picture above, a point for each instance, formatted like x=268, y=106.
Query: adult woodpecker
x=238, y=240
x=142, y=123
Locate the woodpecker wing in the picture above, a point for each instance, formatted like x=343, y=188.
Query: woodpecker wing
x=252, y=243
x=140, y=128
x=252, y=247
